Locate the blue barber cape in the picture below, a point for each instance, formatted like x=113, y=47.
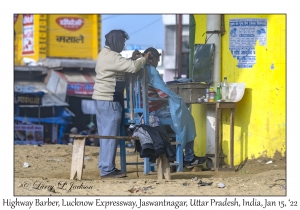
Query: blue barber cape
x=183, y=121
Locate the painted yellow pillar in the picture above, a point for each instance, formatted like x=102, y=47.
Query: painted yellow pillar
x=199, y=111
x=260, y=117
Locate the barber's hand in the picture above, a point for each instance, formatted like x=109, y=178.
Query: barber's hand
x=136, y=54
x=148, y=56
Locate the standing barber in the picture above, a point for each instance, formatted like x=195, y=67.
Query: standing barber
x=109, y=96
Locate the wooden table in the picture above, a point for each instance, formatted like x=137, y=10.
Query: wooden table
x=218, y=138
x=190, y=92
x=218, y=142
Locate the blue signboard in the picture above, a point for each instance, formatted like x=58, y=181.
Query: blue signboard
x=244, y=33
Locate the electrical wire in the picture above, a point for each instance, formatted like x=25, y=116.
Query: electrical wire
x=111, y=16
x=90, y=23
x=88, y=36
x=144, y=27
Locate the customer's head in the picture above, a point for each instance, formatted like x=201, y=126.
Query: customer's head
x=115, y=40
x=155, y=58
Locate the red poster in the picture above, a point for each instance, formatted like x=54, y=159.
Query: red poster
x=77, y=88
x=70, y=23
x=15, y=18
x=28, y=35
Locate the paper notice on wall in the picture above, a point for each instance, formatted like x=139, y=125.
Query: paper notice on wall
x=244, y=34
x=28, y=35
x=236, y=91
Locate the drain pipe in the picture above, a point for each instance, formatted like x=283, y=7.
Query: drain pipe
x=213, y=36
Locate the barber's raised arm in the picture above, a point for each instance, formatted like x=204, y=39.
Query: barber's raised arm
x=135, y=55
x=127, y=65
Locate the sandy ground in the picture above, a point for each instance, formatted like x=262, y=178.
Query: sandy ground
x=49, y=174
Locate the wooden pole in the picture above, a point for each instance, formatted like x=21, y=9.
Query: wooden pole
x=192, y=25
x=39, y=113
x=179, y=49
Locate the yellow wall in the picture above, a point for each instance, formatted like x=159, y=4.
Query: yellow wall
x=85, y=38
x=46, y=42
x=260, y=117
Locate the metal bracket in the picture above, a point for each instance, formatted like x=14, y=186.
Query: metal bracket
x=213, y=32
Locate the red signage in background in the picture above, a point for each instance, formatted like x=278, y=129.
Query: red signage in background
x=28, y=38
x=70, y=23
x=76, y=88
x=15, y=18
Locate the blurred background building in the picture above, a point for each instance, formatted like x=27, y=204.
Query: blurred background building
x=175, y=29
x=56, y=55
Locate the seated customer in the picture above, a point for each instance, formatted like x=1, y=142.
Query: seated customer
x=157, y=107
x=183, y=121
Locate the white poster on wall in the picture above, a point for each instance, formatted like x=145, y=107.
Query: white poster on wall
x=244, y=33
